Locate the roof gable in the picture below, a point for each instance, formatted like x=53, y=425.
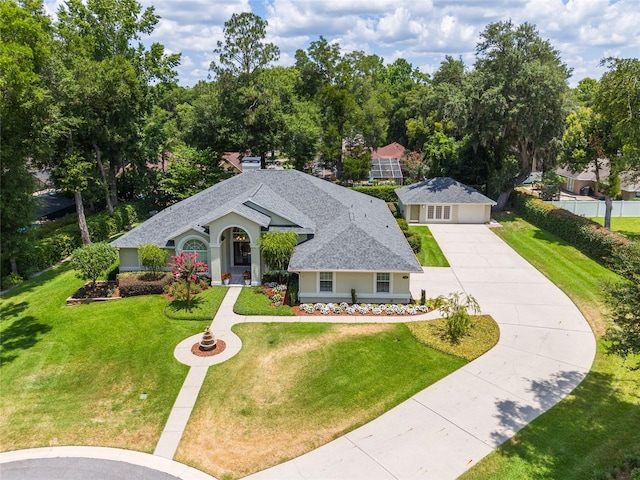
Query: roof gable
x=393, y=150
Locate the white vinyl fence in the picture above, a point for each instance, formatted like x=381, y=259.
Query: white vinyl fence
x=596, y=208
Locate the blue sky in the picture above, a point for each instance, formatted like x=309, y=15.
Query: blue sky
x=421, y=31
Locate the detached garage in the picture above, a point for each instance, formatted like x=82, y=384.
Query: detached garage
x=443, y=200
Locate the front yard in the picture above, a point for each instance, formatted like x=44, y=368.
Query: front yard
x=75, y=375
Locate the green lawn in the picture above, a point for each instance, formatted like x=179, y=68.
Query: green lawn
x=430, y=255
x=294, y=387
x=204, y=306
x=253, y=302
x=598, y=423
x=74, y=375
x=627, y=226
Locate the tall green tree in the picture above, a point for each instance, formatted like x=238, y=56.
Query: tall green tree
x=517, y=94
x=25, y=71
x=618, y=102
x=244, y=83
x=104, y=89
x=244, y=51
x=584, y=147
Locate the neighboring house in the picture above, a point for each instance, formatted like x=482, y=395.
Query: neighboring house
x=443, y=200
x=629, y=188
x=579, y=183
x=346, y=240
x=586, y=183
x=386, y=163
x=231, y=162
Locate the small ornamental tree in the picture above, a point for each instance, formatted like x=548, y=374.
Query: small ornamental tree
x=152, y=257
x=92, y=260
x=277, y=247
x=186, y=268
x=455, y=309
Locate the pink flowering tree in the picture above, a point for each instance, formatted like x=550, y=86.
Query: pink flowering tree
x=186, y=267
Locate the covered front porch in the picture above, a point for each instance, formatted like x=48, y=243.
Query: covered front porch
x=235, y=253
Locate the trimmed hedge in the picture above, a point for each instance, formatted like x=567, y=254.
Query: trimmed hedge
x=383, y=192
x=132, y=284
x=414, y=239
x=595, y=241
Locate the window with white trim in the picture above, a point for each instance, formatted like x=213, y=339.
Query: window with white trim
x=439, y=212
x=196, y=246
x=326, y=281
x=430, y=212
x=383, y=282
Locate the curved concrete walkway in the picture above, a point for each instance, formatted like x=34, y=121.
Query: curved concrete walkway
x=545, y=350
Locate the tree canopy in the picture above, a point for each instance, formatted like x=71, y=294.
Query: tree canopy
x=85, y=98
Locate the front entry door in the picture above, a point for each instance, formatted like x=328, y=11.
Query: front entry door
x=241, y=253
x=414, y=214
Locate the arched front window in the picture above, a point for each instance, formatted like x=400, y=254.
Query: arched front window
x=196, y=246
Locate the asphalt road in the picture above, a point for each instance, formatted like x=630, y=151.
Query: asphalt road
x=70, y=468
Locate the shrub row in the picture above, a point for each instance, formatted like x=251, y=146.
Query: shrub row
x=605, y=247
x=132, y=284
x=414, y=239
x=59, y=244
x=383, y=192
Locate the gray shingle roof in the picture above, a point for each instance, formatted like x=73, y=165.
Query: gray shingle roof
x=352, y=231
x=441, y=190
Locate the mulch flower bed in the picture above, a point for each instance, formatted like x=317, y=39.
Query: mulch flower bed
x=220, y=346
x=101, y=292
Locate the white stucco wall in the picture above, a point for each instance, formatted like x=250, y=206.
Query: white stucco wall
x=362, y=282
x=129, y=261
x=221, y=250
x=460, y=213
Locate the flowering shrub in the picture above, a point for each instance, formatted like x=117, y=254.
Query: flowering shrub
x=364, y=309
x=185, y=267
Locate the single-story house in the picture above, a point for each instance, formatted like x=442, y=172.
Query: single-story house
x=443, y=200
x=586, y=183
x=346, y=240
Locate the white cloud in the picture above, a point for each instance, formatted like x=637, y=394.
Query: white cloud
x=421, y=31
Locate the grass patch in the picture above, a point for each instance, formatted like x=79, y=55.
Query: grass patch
x=430, y=255
x=294, y=387
x=203, y=305
x=627, y=226
x=483, y=336
x=252, y=301
x=73, y=375
x=594, y=427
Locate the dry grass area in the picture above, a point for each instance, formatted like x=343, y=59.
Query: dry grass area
x=287, y=393
x=483, y=336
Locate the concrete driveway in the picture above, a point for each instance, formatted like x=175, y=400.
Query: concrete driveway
x=545, y=350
